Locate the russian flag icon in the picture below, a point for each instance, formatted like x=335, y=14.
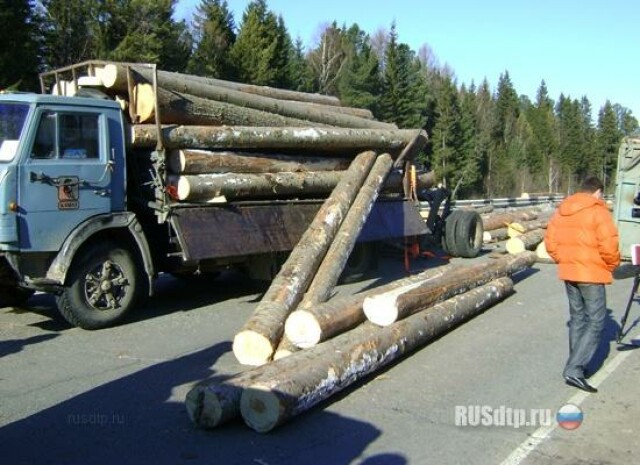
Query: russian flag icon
x=569, y=417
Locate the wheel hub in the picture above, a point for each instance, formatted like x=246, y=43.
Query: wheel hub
x=105, y=286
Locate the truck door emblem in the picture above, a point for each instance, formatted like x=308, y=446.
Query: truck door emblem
x=68, y=193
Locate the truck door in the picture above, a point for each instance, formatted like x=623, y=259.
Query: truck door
x=65, y=178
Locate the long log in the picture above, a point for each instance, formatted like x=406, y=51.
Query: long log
x=285, y=348
x=526, y=241
x=314, y=375
x=543, y=255
x=231, y=186
x=336, y=257
x=495, y=235
x=312, y=139
x=385, y=309
x=205, y=187
x=307, y=328
x=518, y=228
x=257, y=340
x=176, y=108
x=201, y=161
x=114, y=76
x=501, y=220
x=172, y=96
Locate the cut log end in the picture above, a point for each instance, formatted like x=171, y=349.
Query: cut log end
x=381, y=310
x=260, y=408
x=145, y=102
x=514, y=246
x=303, y=329
x=204, y=408
x=252, y=348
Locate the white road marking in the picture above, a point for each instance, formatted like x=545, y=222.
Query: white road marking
x=542, y=433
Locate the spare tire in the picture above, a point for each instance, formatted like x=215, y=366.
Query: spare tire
x=449, y=241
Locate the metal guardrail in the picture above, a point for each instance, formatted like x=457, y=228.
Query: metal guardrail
x=504, y=202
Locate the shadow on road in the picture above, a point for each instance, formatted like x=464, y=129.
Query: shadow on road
x=134, y=420
x=14, y=346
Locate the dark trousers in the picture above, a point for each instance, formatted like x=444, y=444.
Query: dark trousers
x=587, y=310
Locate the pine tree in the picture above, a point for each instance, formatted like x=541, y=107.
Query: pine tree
x=68, y=31
x=359, y=84
x=214, y=35
x=446, y=136
x=19, y=54
x=506, y=113
x=484, y=142
x=608, y=139
x=300, y=73
x=403, y=86
x=143, y=31
x=262, y=48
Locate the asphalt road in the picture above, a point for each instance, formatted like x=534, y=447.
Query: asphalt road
x=116, y=395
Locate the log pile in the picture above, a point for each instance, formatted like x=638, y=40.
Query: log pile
x=229, y=141
x=268, y=395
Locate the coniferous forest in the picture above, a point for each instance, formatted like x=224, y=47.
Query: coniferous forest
x=486, y=140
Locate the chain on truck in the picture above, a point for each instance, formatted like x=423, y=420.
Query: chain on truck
x=87, y=217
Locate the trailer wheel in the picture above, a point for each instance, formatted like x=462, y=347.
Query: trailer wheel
x=13, y=296
x=101, y=287
x=468, y=234
x=449, y=241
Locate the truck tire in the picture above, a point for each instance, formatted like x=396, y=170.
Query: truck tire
x=361, y=260
x=13, y=296
x=101, y=287
x=449, y=241
x=468, y=234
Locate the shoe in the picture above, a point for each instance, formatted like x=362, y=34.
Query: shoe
x=580, y=383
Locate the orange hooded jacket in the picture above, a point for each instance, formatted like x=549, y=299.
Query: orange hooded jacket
x=583, y=240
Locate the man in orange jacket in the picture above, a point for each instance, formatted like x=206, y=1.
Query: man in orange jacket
x=582, y=239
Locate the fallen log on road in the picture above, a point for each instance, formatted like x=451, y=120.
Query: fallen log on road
x=501, y=220
x=385, y=309
x=526, y=241
x=311, y=376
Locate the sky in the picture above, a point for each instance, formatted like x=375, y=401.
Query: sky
x=578, y=47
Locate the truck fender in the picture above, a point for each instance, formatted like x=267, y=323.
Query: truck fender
x=57, y=272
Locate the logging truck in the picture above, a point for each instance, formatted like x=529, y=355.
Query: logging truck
x=95, y=205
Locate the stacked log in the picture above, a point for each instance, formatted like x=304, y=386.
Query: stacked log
x=500, y=220
x=526, y=241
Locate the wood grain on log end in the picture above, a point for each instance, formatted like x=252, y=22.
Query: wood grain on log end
x=252, y=348
x=145, y=102
x=302, y=329
x=260, y=408
x=514, y=246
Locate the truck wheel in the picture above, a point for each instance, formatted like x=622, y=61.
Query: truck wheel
x=361, y=260
x=101, y=288
x=468, y=234
x=449, y=242
x=12, y=296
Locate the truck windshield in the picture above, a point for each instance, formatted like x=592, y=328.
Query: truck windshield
x=12, y=118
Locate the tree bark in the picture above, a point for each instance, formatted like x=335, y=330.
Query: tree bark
x=201, y=162
x=176, y=108
x=526, y=241
x=256, y=342
x=346, y=142
x=307, y=328
x=518, y=228
x=204, y=187
x=285, y=348
x=501, y=220
x=385, y=309
x=311, y=376
x=114, y=76
x=495, y=235
x=178, y=100
x=232, y=186
x=334, y=261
